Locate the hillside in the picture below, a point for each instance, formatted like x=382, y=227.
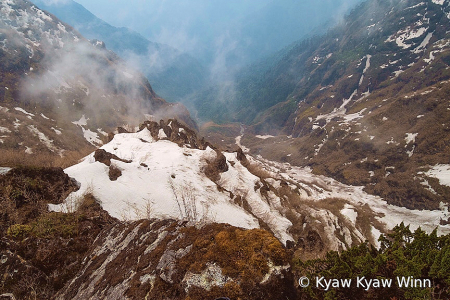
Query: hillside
x=173, y=74
x=162, y=213
x=59, y=92
x=165, y=171
x=366, y=103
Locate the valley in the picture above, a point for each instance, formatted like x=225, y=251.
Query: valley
x=330, y=156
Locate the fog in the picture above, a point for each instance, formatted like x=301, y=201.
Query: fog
x=76, y=79
x=223, y=35
x=203, y=43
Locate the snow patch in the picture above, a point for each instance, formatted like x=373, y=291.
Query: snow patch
x=23, y=111
x=397, y=73
x=337, y=112
x=81, y=122
x=355, y=116
x=349, y=212
x=376, y=235
x=162, y=134
x=4, y=170
x=264, y=137
x=402, y=36
x=411, y=152
x=58, y=132
x=4, y=130
x=424, y=43
x=414, y=6
x=44, y=139
x=441, y=172
x=411, y=138
x=102, y=132
x=91, y=137
x=431, y=58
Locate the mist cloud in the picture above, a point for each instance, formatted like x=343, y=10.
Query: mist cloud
x=81, y=79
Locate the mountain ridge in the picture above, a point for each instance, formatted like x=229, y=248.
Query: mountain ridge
x=348, y=103
x=172, y=73
x=54, y=81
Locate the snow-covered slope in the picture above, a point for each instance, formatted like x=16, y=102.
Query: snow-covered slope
x=164, y=171
x=158, y=174
x=163, y=180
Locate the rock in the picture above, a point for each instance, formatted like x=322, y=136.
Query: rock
x=105, y=157
x=171, y=260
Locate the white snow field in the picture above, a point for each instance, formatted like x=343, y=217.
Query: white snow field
x=164, y=180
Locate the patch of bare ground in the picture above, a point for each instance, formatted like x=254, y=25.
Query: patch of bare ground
x=12, y=158
x=221, y=135
x=114, y=173
x=258, y=170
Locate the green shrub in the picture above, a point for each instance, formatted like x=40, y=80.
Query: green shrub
x=19, y=230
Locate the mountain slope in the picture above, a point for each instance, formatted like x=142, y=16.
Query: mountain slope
x=365, y=103
x=280, y=23
x=54, y=81
x=163, y=259
x=172, y=73
x=164, y=171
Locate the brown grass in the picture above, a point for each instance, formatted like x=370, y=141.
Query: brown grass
x=12, y=158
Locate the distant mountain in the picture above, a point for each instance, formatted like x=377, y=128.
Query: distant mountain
x=366, y=103
x=61, y=93
x=172, y=73
x=280, y=23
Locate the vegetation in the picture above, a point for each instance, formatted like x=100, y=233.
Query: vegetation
x=402, y=254
x=46, y=248
x=245, y=257
x=12, y=158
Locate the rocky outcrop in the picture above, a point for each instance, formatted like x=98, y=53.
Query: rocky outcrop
x=40, y=250
x=216, y=166
x=104, y=157
x=171, y=260
x=174, y=131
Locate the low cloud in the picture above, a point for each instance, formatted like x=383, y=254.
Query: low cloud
x=81, y=79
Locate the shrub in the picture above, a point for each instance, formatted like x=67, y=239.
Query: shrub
x=19, y=230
